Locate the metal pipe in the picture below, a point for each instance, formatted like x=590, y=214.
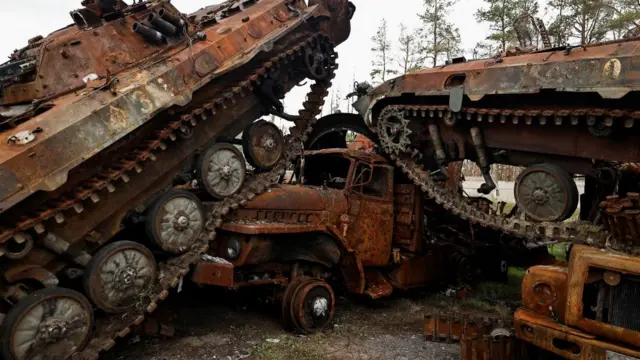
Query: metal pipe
x=148, y=33
x=18, y=246
x=163, y=26
x=172, y=18
x=441, y=155
x=483, y=161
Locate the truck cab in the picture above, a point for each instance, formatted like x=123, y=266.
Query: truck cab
x=350, y=214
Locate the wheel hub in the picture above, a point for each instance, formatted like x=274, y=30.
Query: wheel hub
x=181, y=221
x=52, y=330
x=226, y=171
x=320, y=307
x=269, y=143
x=540, y=196
x=125, y=277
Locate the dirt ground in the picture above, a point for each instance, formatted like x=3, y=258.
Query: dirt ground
x=214, y=324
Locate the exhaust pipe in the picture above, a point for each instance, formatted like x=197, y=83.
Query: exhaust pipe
x=165, y=27
x=148, y=33
x=172, y=18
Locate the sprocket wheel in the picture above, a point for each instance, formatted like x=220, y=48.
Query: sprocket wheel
x=393, y=131
x=49, y=323
x=318, y=61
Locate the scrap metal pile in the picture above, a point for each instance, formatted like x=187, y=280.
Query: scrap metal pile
x=107, y=123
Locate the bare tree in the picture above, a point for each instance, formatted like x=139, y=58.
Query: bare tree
x=409, y=52
x=382, y=54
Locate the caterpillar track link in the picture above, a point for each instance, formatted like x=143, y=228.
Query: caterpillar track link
x=115, y=181
x=557, y=113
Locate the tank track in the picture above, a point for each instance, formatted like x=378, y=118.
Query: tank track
x=171, y=272
x=532, y=233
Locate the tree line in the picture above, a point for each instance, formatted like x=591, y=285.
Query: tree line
x=512, y=23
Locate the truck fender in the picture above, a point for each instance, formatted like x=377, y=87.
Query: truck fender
x=350, y=264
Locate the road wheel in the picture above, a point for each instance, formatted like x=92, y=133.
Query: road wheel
x=51, y=321
x=118, y=274
x=313, y=306
x=263, y=145
x=546, y=192
x=221, y=170
x=176, y=221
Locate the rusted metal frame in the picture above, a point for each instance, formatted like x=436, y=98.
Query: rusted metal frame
x=350, y=265
x=564, y=341
x=544, y=291
x=583, y=259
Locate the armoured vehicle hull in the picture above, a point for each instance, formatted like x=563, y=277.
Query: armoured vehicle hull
x=118, y=128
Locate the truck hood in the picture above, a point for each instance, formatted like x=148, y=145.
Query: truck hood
x=296, y=197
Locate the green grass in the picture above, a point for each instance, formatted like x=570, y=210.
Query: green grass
x=291, y=347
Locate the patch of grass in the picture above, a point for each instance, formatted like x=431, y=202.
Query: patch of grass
x=291, y=347
x=477, y=304
x=559, y=251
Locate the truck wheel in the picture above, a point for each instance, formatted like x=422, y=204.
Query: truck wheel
x=118, y=274
x=263, y=145
x=49, y=322
x=312, y=307
x=287, y=298
x=221, y=170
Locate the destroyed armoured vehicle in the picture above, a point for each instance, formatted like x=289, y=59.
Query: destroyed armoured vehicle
x=108, y=121
x=560, y=113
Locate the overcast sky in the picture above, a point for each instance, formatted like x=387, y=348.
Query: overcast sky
x=22, y=20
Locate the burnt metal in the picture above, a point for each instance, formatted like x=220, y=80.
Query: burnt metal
x=165, y=27
x=173, y=19
x=75, y=192
x=150, y=34
x=263, y=144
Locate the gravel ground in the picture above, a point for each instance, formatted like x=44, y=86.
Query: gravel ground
x=212, y=324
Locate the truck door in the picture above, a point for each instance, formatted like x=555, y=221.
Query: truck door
x=371, y=201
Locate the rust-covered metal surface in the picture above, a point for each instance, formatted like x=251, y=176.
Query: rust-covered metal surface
x=106, y=123
x=349, y=214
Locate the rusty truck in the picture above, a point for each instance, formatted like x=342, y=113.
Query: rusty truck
x=352, y=215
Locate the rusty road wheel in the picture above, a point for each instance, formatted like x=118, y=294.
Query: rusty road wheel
x=118, y=274
x=175, y=221
x=313, y=306
x=263, y=145
x=546, y=192
x=221, y=170
x=49, y=323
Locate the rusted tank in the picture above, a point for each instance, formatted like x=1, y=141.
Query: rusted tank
x=353, y=218
x=117, y=128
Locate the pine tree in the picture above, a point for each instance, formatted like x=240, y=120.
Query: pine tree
x=500, y=15
x=441, y=38
x=409, y=56
x=626, y=20
x=382, y=54
x=585, y=21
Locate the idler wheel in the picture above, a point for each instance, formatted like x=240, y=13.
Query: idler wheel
x=49, y=322
x=118, y=274
x=546, y=192
x=312, y=306
x=263, y=145
x=175, y=221
x=221, y=170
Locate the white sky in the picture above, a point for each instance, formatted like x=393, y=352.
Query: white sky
x=22, y=20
